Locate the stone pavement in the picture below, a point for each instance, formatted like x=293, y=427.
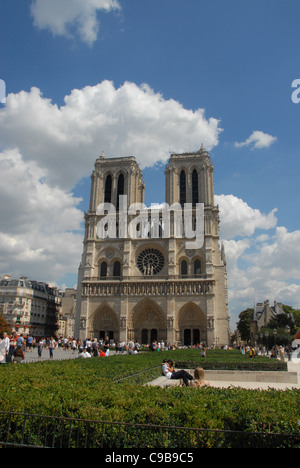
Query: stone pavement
x=58, y=355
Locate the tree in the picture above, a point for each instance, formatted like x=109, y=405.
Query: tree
x=283, y=325
x=282, y=321
x=295, y=313
x=4, y=325
x=243, y=325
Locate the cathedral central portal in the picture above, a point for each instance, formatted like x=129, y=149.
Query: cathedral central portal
x=148, y=322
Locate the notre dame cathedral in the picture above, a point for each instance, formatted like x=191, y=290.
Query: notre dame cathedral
x=140, y=279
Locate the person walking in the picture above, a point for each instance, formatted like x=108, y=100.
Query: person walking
x=2, y=350
x=29, y=343
x=12, y=347
x=74, y=345
x=21, y=341
x=106, y=346
x=7, y=346
x=40, y=348
x=51, y=347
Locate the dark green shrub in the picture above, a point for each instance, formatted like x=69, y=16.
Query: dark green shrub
x=88, y=389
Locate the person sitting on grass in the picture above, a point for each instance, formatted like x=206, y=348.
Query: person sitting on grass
x=169, y=372
x=199, y=379
x=19, y=355
x=83, y=354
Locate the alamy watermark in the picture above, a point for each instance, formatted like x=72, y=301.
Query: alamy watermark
x=159, y=221
x=296, y=94
x=296, y=352
x=2, y=92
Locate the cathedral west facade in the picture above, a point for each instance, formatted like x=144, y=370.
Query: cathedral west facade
x=140, y=277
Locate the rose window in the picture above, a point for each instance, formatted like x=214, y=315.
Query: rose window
x=150, y=262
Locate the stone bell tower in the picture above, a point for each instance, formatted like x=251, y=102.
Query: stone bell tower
x=114, y=177
x=190, y=180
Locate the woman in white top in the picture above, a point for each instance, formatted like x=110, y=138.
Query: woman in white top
x=2, y=351
x=169, y=371
x=165, y=369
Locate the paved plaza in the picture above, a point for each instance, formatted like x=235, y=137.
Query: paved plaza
x=59, y=354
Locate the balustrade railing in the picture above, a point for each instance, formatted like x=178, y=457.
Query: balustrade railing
x=146, y=286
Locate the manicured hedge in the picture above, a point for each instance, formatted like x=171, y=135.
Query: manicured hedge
x=88, y=389
x=224, y=360
x=249, y=365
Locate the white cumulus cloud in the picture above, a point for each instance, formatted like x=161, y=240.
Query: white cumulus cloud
x=239, y=219
x=129, y=120
x=63, y=17
x=40, y=229
x=47, y=150
x=258, y=140
x=263, y=259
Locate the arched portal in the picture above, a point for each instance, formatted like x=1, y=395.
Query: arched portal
x=191, y=325
x=147, y=322
x=104, y=322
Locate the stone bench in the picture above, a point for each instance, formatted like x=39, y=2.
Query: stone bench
x=252, y=376
x=236, y=377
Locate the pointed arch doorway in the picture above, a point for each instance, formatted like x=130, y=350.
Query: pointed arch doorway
x=104, y=322
x=192, y=325
x=148, y=322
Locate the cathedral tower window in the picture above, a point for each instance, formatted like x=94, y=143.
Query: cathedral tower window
x=197, y=268
x=195, y=196
x=183, y=268
x=108, y=187
x=117, y=270
x=103, y=270
x=182, y=188
x=120, y=189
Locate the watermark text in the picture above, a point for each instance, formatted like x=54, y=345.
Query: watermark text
x=159, y=221
x=296, y=94
x=2, y=92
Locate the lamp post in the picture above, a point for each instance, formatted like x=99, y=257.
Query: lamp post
x=288, y=331
x=267, y=334
x=261, y=340
x=275, y=334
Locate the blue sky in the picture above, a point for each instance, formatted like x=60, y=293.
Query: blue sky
x=133, y=77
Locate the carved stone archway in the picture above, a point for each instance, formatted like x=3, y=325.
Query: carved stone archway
x=147, y=322
x=104, y=321
x=191, y=325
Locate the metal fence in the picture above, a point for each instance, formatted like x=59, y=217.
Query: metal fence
x=142, y=377
x=25, y=430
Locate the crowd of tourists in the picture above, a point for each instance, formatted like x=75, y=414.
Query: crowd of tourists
x=277, y=352
x=13, y=347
